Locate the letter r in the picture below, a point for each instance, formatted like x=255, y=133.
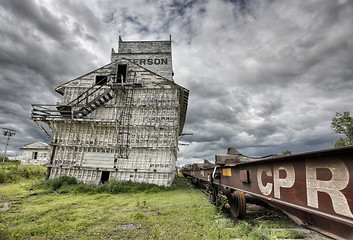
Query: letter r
x=339, y=180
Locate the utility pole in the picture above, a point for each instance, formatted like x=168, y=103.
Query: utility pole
x=7, y=133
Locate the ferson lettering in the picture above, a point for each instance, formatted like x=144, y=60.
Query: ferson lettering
x=150, y=61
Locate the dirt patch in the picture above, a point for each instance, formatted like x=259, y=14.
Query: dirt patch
x=5, y=206
x=128, y=226
x=32, y=197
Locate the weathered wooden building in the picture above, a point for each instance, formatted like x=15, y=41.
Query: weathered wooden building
x=120, y=121
x=35, y=153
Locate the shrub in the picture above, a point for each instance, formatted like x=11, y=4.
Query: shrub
x=12, y=173
x=6, y=159
x=3, y=177
x=65, y=184
x=138, y=215
x=115, y=187
x=56, y=183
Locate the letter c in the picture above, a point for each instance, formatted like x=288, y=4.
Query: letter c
x=265, y=190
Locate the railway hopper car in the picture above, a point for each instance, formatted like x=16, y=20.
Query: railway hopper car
x=315, y=189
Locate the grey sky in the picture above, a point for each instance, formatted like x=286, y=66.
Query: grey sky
x=264, y=76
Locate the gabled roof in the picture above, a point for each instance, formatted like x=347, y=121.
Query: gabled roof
x=167, y=81
x=60, y=87
x=36, y=145
x=162, y=81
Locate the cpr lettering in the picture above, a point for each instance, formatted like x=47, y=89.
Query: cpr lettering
x=333, y=187
x=286, y=182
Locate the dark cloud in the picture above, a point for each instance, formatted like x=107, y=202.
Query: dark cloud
x=264, y=76
x=37, y=55
x=38, y=17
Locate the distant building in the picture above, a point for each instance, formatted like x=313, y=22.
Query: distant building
x=36, y=153
x=120, y=121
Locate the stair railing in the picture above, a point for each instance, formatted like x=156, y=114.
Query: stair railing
x=86, y=94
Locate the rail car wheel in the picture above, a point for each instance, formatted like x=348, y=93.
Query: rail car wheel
x=237, y=204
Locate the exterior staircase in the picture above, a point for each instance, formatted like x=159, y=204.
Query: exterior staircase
x=97, y=102
x=66, y=111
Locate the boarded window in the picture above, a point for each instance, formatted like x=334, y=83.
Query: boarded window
x=101, y=80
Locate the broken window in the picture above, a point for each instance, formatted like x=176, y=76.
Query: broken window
x=101, y=80
x=121, y=73
x=34, y=155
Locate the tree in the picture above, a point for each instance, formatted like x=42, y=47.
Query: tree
x=6, y=159
x=342, y=123
x=286, y=152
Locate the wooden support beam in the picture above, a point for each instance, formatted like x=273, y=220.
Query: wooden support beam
x=45, y=131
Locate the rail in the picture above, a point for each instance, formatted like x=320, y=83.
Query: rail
x=89, y=92
x=40, y=112
x=43, y=112
x=64, y=111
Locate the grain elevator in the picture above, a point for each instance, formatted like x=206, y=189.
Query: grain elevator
x=120, y=121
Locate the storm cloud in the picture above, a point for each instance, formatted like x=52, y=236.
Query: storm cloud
x=264, y=76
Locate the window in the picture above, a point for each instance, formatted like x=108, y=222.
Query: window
x=34, y=155
x=121, y=74
x=101, y=80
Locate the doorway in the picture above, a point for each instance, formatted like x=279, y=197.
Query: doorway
x=121, y=74
x=104, y=177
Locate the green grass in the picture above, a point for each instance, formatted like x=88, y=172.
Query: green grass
x=182, y=212
x=283, y=234
x=10, y=163
x=13, y=172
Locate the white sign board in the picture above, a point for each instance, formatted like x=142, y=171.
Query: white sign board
x=95, y=159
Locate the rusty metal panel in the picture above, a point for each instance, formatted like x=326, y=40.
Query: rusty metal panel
x=244, y=176
x=317, y=187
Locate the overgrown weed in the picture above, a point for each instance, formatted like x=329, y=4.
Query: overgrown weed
x=66, y=184
x=4, y=233
x=14, y=173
